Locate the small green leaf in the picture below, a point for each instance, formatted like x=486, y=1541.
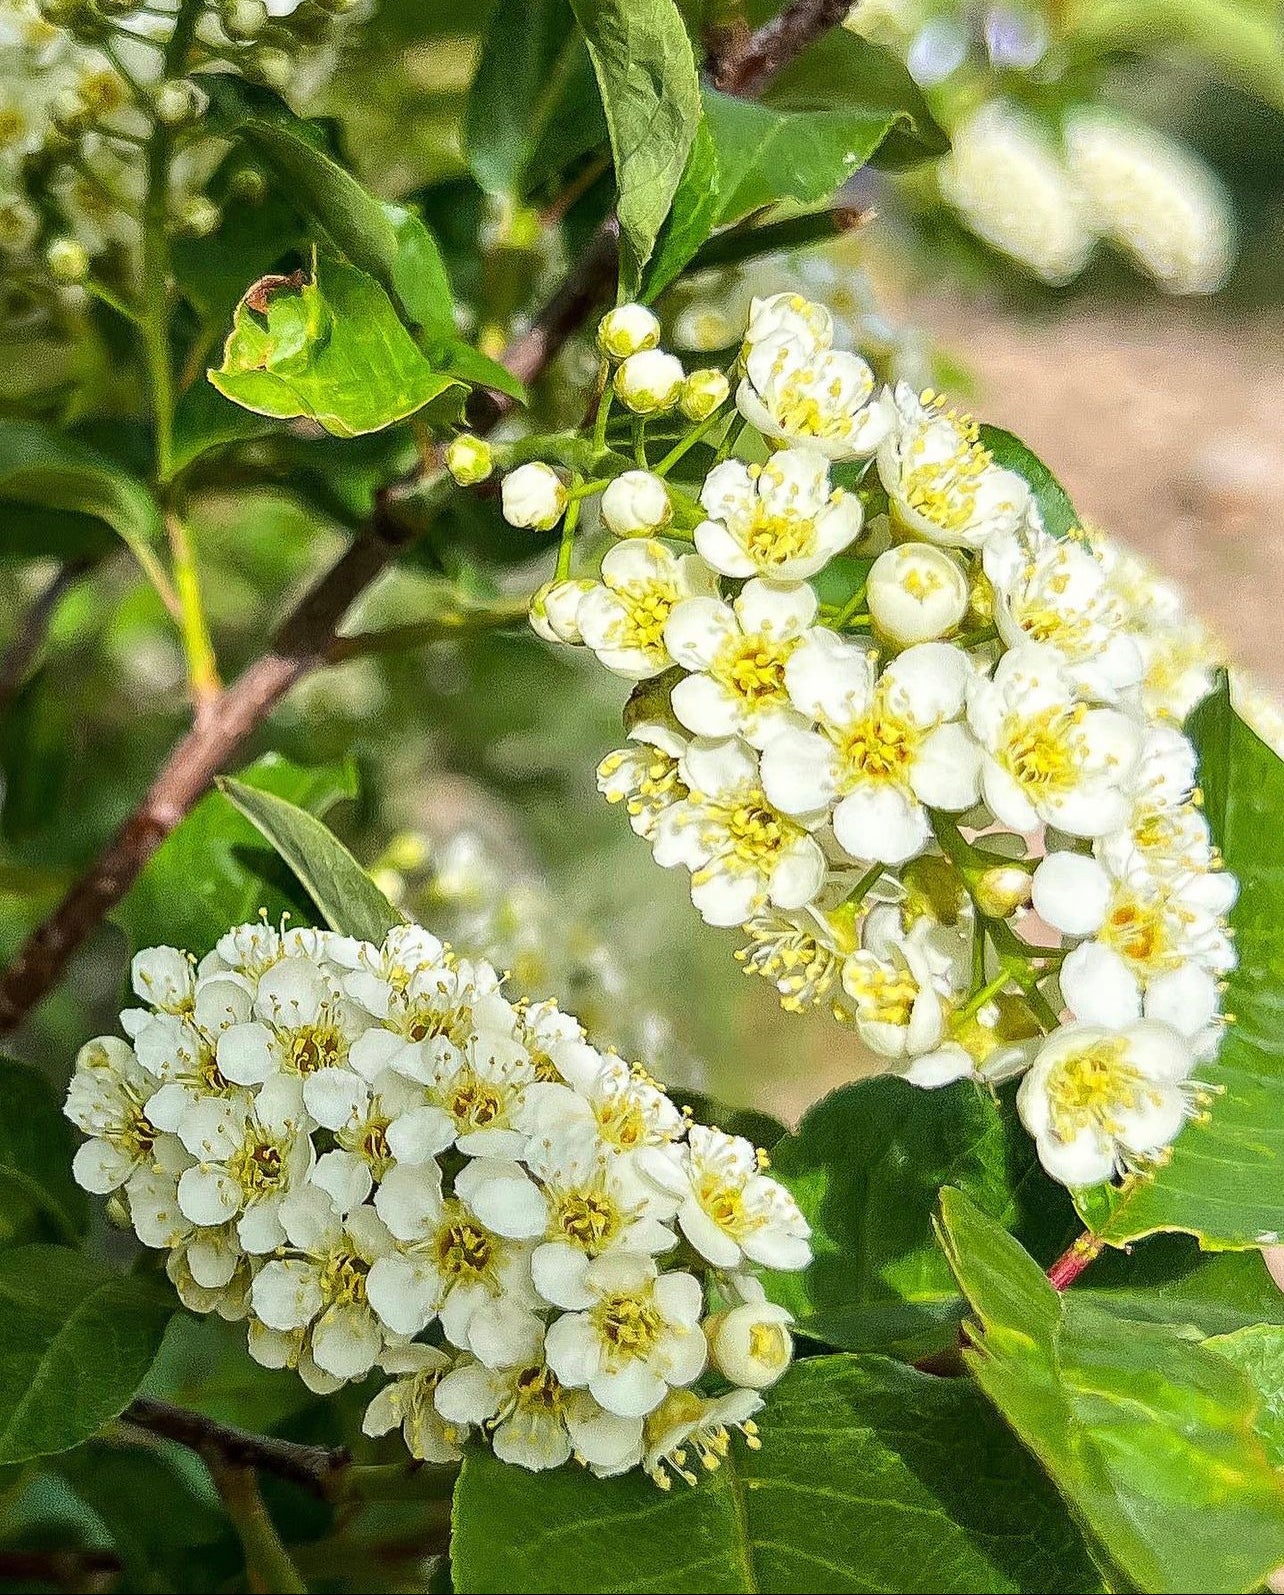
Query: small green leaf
x=1225, y=1179
x=867, y=1165
x=1148, y=1435
x=76, y=1341
x=213, y=871
x=332, y=349
x=43, y=471
x=871, y=1477
x=1059, y=516
x=646, y=73
x=697, y=209
x=37, y=1145
x=349, y=900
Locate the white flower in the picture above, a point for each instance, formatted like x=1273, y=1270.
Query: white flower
x=685, y=1422
x=636, y=504
x=533, y=1421
x=646, y=776
x=450, y=1265
x=1048, y=756
x=901, y=984
x=916, y=593
x=623, y=1106
x=1101, y=1101
x=107, y=1099
x=1055, y=593
x=942, y=482
x=1007, y=182
x=703, y=392
x=640, y=1336
x=627, y=330
x=469, y=459
x=797, y=389
x=743, y=851
x=408, y=1403
x=533, y=496
x=554, y=610
x=751, y=1345
x=737, y=654
x=1154, y=198
x=320, y=1283
x=730, y=1211
x=250, y=1152
x=779, y=520
x=302, y=1023
x=886, y=745
x=623, y=618
x=788, y=315
x=374, y=1124
x=649, y=381
x=165, y=978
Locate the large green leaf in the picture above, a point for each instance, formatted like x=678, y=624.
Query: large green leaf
x=332, y=349
x=66, y=492
x=1148, y=1435
x=1225, y=1179
x=646, y=73
x=213, y=871
x=76, y=1341
x=1257, y=1351
x=1059, y=516
x=871, y=1477
x=867, y=1165
x=348, y=899
x=36, y=1148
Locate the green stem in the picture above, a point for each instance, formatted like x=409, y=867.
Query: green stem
x=864, y=886
x=268, y=1567
x=603, y=412
x=109, y=297
x=639, y=444
x=202, y=666
x=847, y=615
x=689, y=442
x=567, y=546
x=440, y=628
x=397, y=1481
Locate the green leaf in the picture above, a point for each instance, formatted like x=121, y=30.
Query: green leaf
x=348, y=899
x=533, y=62
x=46, y=471
x=76, y=1341
x=205, y=420
x=213, y=871
x=871, y=1477
x=646, y=73
x=867, y=1165
x=36, y=1148
x=697, y=208
x=1148, y=1435
x=1170, y=1280
x=332, y=349
x=1257, y=1351
x=1225, y=1179
x=387, y=242
x=1059, y=516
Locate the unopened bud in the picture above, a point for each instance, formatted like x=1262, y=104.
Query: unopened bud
x=703, y=392
x=916, y=593
x=271, y=66
x=626, y=330
x=178, y=101
x=649, y=382
x=1000, y=891
x=533, y=496
x=247, y=186
x=469, y=459
x=198, y=216
x=751, y=1345
x=243, y=19
x=636, y=504
x=554, y=609
x=68, y=260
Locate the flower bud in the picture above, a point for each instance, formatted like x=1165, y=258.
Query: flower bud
x=649, y=382
x=533, y=496
x=68, y=260
x=626, y=330
x=469, y=459
x=247, y=186
x=1002, y=890
x=703, y=392
x=636, y=504
x=199, y=216
x=19, y=225
x=177, y=101
x=243, y=19
x=916, y=593
x=554, y=607
x=272, y=66
x=751, y=1345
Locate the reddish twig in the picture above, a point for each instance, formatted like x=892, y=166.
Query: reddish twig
x=305, y=641
x=1074, y=1260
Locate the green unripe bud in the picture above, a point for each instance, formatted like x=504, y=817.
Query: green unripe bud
x=702, y=393
x=177, y=101
x=469, y=459
x=271, y=66
x=1000, y=891
x=243, y=19
x=68, y=260
x=247, y=186
x=198, y=216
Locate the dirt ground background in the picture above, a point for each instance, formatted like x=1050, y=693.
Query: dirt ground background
x=1167, y=427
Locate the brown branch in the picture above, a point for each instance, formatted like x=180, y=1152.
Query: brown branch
x=31, y=634
x=72, y=1570
x=305, y=640
x=313, y=1468
x=748, y=71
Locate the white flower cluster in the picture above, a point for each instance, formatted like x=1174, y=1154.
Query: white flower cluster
x=376, y=1160
x=876, y=787
x=1047, y=206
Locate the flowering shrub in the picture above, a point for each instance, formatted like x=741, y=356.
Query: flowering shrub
x=347, y=1145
